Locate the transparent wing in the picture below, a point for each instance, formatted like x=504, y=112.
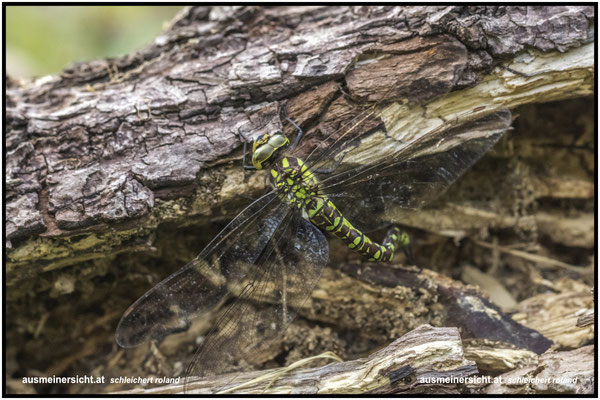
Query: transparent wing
x=416, y=174
x=321, y=147
x=268, y=260
x=197, y=288
x=268, y=297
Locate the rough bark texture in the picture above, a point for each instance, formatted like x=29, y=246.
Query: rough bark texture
x=118, y=172
x=400, y=367
x=568, y=372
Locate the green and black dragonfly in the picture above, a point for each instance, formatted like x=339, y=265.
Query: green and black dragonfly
x=263, y=265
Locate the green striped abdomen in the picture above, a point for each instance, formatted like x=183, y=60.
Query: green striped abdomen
x=324, y=214
x=298, y=186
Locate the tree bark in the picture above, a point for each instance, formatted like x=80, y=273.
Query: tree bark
x=92, y=150
x=119, y=170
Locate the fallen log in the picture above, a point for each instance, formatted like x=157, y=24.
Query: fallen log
x=407, y=365
x=120, y=170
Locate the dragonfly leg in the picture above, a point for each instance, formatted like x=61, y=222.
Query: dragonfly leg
x=244, y=163
x=300, y=133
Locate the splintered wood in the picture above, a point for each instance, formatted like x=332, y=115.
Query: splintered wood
x=425, y=354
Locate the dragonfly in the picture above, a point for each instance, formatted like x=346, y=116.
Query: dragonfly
x=262, y=267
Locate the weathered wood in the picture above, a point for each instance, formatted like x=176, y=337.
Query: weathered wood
x=564, y=372
x=450, y=302
x=498, y=294
x=421, y=355
x=555, y=315
x=379, y=303
x=494, y=357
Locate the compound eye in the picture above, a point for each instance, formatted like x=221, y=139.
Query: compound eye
x=261, y=156
x=278, y=140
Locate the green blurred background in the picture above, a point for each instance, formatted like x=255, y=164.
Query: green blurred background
x=43, y=40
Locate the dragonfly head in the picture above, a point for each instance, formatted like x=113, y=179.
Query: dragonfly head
x=267, y=148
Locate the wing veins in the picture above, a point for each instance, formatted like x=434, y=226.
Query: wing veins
x=242, y=303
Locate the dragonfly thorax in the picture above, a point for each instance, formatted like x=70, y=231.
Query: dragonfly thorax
x=294, y=182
